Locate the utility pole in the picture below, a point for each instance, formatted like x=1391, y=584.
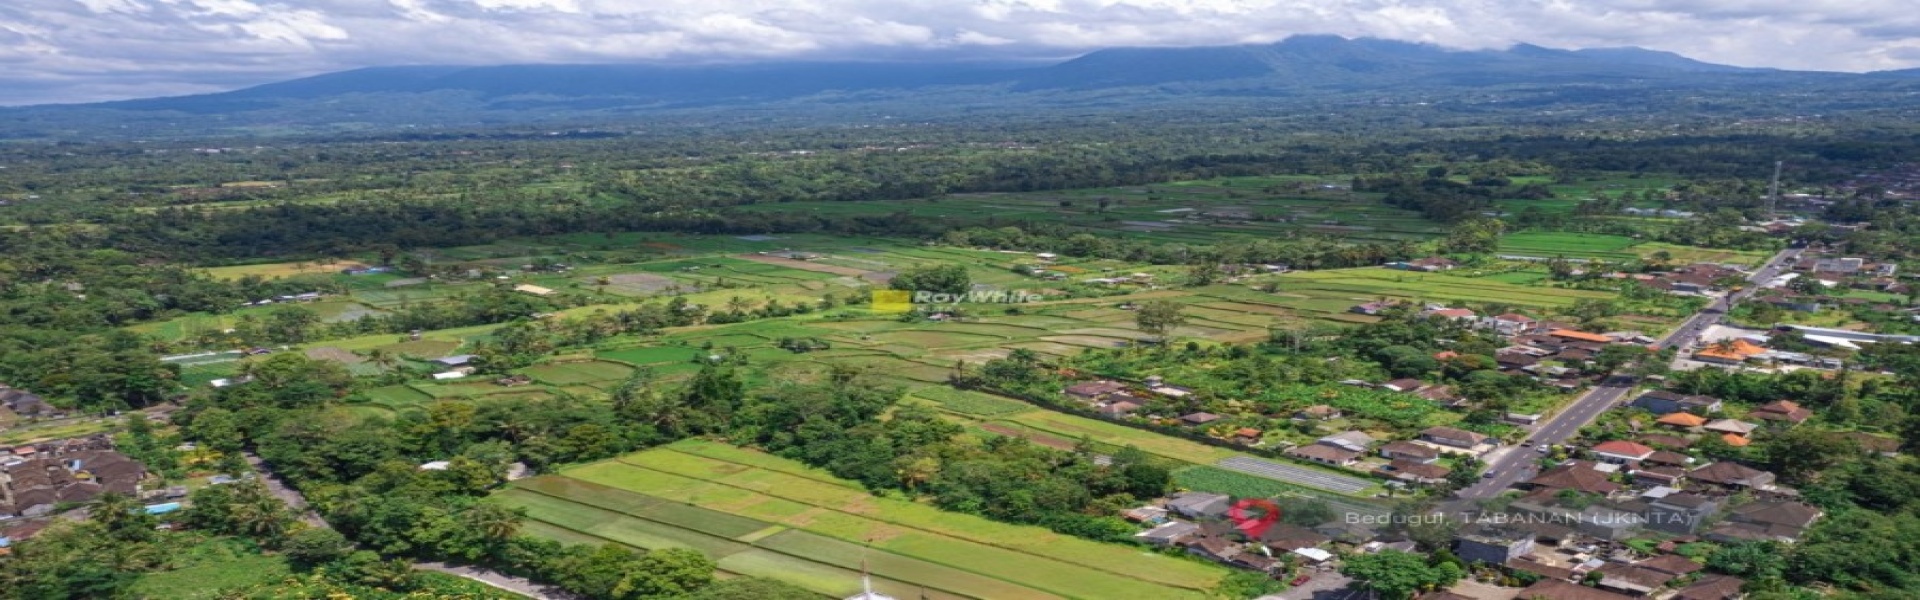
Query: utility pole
x=1773, y=192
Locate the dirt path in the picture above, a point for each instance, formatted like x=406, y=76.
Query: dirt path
x=286, y=494
x=803, y=265
x=517, y=585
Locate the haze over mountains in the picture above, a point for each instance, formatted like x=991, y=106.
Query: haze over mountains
x=1326, y=69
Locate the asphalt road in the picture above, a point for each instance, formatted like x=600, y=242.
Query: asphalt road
x=1512, y=463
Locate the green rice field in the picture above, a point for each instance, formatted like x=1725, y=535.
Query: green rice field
x=761, y=515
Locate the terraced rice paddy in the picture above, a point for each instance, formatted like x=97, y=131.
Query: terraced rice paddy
x=761, y=515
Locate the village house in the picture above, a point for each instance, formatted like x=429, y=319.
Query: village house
x=1093, y=391
x=1559, y=589
x=1452, y=314
x=1631, y=579
x=1763, y=520
x=1402, y=385
x=1681, y=420
x=1713, y=587
x=1409, y=451
x=1678, y=512
x=1509, y=323
x=1580, y=336
x=1199, y=505
x=1247, y=435
x=1621, y=452
x=1578, y=476
x=1199, y=418
x=26, y=404
x=1491, y=546
x=1663, y=458
x=1119, y=408
x=1662, y=402
x=1152, y=515
x=1596, y=520
x=1732, y=475
x=1515, y=360
x=1325, y=454
x=1433, y=263
x=1731, y=426
x=1284, y=537
x=1414, y=472
x=1658, y=476
x=535, y=290
x=1729, y=353
x=1454, y=438
x=1168, y=534
x=1212, y=547
x=1784, y=411
x=1658, y=440
x=1671, y=563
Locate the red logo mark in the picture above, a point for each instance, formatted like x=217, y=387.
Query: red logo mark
x=1253, y=516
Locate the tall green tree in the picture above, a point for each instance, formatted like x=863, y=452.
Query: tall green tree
x=1159, y=317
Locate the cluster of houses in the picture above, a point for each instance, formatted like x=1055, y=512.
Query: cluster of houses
x=301, y=297
x=1413, y=461
x=1409, y=462
x=1198, y=522
x=1555, y=353
x=25, y=404
x=36, y=479
x=1572, y=550
x=1832, y=271
x=1570, y=524
x=1699, y=279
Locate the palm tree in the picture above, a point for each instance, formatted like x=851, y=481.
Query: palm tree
x=256, y=512
x=382, y=358
x=122, y=517
x=496, y=523
x=387, y=574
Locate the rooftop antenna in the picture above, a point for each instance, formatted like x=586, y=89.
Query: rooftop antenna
x=1773, y=192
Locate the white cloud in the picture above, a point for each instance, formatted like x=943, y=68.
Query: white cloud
x=95, y=49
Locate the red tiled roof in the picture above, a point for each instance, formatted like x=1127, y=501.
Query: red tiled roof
x=1622, y=448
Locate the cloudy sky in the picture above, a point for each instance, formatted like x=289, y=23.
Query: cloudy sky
x=84, y=50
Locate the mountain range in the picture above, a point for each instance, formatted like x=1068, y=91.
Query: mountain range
x=1300, y=68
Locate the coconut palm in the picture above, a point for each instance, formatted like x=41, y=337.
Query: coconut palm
x=496, y=523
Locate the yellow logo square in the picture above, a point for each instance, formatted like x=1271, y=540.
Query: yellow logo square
x=898, y=301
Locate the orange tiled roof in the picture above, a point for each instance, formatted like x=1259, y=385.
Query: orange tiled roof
x=1579, y=335
x=1683, y=419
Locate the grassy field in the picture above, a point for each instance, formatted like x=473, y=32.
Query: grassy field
x=1569, y=245
x=284, y=269
x=206, y=569
x=769, y=512
x=1617, y=248
x=1331, y=293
